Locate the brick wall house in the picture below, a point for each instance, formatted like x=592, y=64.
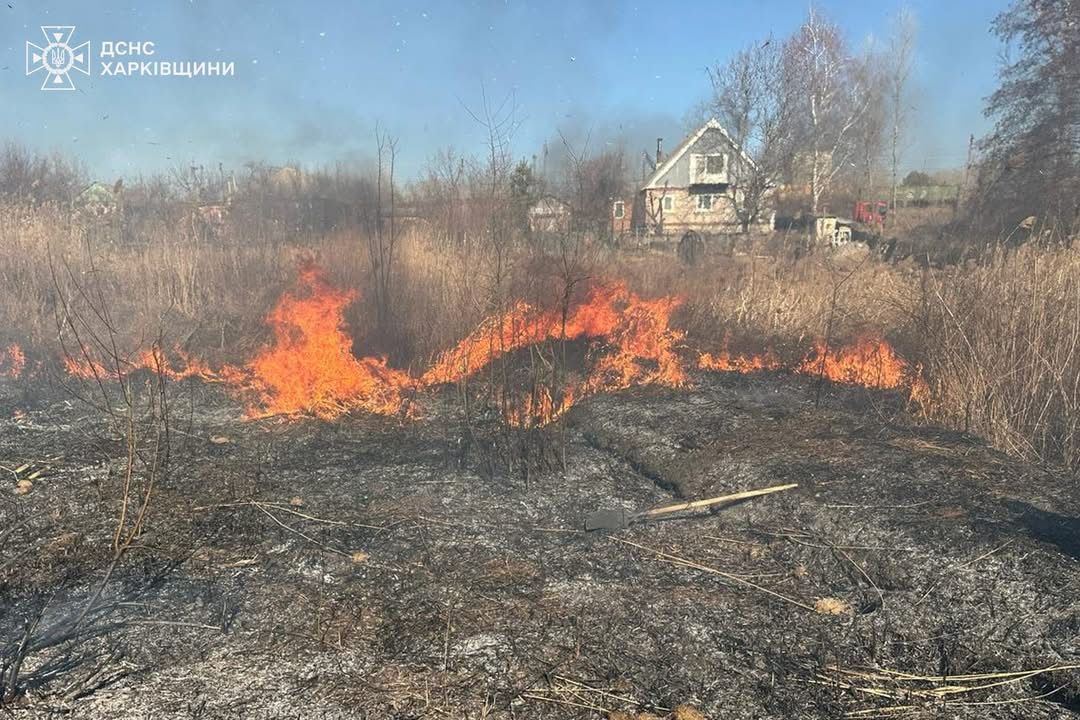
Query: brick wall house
x=695, y=188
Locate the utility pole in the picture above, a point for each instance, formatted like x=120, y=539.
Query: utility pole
x=969, y=163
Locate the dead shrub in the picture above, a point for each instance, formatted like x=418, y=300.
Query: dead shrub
x=1001, y=349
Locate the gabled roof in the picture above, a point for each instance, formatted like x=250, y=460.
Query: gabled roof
x=689, y=142
x=549, y=203
x=97, y=192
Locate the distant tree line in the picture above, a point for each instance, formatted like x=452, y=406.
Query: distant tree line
x=34, y=178
x=821, y=119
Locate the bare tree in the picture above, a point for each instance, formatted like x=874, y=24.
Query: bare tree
x=382, y=238
x=831, y=97
x=591, y=184
x=752, y=101
x=29, y=177
x=498, y=122
x=899, y=53
x=869, y=70
x=445, y=192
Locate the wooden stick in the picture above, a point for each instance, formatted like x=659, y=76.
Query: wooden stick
x=714, y=500
x=677, y=560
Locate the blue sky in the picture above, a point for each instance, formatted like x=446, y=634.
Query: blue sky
x=313, y=78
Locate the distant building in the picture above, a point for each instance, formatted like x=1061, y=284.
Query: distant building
x=622, y=215
x=926, y=195
x=549, y=214
x=97, y=200
x=695, y=188
x=288, y=177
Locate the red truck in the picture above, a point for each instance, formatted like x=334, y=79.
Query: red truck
x=872, y=213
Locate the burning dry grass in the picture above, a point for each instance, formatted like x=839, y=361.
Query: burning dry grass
x=725, y=361
x=310, y=365
x=523, y=325
x=12, y=361
x=993, y=348
x=868, y=361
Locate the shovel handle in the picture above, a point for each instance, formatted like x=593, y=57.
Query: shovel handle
x=719, y=499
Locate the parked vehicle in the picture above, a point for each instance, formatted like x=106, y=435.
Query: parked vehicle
x=871, y=213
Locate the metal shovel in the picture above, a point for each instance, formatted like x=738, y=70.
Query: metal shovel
x=619, y=519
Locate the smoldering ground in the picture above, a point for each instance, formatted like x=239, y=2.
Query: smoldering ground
x=368, y=568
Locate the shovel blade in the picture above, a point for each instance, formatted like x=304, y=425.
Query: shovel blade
x=607, y=520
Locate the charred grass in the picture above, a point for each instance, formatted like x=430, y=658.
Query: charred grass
x=362, y=568
x=434, y=565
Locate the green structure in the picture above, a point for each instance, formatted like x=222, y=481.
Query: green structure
x=922, y=195
x=96, y=199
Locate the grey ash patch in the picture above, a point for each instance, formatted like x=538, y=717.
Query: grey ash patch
x=477, y=592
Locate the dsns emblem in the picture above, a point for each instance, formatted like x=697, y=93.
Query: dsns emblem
x=57, y=58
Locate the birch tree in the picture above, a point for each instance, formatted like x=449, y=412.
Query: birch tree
x=871, y=70
x=899, y=54
x=831, y=99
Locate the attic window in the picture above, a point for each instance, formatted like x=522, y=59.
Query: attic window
x=714, y=164
x=619, y=210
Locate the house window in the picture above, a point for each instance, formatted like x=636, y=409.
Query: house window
x=619, y=210
x=704, y=202
x=668, y=203
x=714, y=165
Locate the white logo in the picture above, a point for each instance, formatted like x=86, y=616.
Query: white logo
x=57, y=58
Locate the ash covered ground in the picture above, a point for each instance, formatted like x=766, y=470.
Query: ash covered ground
x=382, y=568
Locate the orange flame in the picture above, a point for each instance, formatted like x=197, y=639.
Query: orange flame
x=639, y=348
x=310, y=366
x=153, y=359
x=189, y=367
x=523, y=325
x=538, y=408
x=85, y=368
x=495, y=336
x=870, y=362
x=643, y=333
x=726, y=362
x=12, y=361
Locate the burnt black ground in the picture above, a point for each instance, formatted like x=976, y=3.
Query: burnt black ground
x=477, y=594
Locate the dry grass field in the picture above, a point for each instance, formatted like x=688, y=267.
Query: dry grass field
x=996, y=341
